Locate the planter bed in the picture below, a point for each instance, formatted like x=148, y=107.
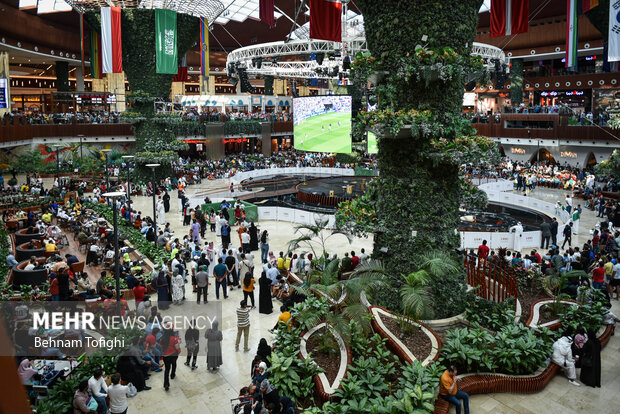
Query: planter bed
x=325, y=388
x=384, y=320
x=527, y=299
x=486, y=383
x=536, y=319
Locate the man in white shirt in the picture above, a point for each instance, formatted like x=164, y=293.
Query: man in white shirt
x=98, y=389
x=118, y=395
x=245, y=240
x=363, y=256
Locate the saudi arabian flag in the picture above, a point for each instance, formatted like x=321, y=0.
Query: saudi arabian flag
x=166, y=41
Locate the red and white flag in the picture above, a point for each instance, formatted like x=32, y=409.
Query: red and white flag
x=111, y=49
x=509, y=17
x=326, y=20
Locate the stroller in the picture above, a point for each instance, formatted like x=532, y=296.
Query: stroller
x=239, y=404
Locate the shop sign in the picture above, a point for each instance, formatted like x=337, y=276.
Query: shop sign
x=559, y=93
x=520, y=151
x=568, y=154
x=235, y=140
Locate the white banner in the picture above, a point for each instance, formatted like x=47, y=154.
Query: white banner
x=613, y=45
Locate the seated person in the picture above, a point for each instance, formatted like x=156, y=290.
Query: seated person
x=449, y=391
x=84, y=287
x=31, y=264
x=563, y=356
x=283, y=289
x=261, y=374
x=102, y=289
x=70, y=259
x=50, y=246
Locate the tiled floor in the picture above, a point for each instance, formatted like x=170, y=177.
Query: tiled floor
x=206, y=392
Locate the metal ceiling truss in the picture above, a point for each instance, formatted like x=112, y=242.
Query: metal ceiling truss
x=269, y=54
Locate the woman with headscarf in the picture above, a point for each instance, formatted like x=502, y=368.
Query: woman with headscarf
x=192, y=342
x=177, y=287
x=264, y=295
x=262, y=355
x=25, y=370
x=214, y=346
x=261, y=374
x=273, y=260
x=270, y=394
x=253, y=237
x=591, y=361
x=162, y=291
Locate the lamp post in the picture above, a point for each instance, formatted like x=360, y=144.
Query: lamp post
x=127, y=158
x=107, y=174
x=113, y=197
x=56, y=147
x=81, y=136
x=152, y=167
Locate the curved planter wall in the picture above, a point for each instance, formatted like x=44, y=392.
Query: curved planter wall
x=395, y=344
x=535, y=307
x=486, y=383
x=324, y=388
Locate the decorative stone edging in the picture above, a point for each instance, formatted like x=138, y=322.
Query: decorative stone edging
x=324, y=388
x=293, y=278
x=532, y=321
x=395, y=343
x=486, y=383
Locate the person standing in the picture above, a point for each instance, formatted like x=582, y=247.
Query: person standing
x=554, y=231
x=243, y=326
x=202, y=284
x=166, y=199
x=225, y=231
x=591, y=361
x=118, y=395
x=170, y=343
x=248, y=288
x=214, y=346
x=253, y=237
x=219, y=273
x=264, y=295
x=545, y=230
x=449, y=391
x=196, y=231
x=567, y=231
x=483, y=251
x=231, y=268
x=192, y=342
x=264, y=245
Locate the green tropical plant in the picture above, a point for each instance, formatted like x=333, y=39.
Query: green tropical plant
x=416, y=297
x=315, y=236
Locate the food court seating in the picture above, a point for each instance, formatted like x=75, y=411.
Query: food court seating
x=28, y=277
x=22, y=252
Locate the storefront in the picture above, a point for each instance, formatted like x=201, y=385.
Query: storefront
x=576, y=100
x=244, y=145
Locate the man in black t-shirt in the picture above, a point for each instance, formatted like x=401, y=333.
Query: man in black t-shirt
x=231, y=266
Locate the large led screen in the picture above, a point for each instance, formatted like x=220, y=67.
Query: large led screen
x=322, y=123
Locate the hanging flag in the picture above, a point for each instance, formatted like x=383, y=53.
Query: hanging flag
x=587, y=5
x=95, y=55
x=326, y=20
x=111, y=47
x=613, y=40
x=509, y=17
x=166, y=40
x=181, y=75
x=204, y=46
x=572, y=18
x=266, y=12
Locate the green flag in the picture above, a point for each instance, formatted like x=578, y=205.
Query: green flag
x=166, y=41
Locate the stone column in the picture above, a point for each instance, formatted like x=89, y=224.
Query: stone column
x=116, y=85
x=207, y=85
x=79, y=79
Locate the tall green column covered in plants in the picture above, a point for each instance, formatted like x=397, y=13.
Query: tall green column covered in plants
x=516, y=81
x=417, y=193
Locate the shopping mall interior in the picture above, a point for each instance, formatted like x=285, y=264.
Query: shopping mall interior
x=397, y=207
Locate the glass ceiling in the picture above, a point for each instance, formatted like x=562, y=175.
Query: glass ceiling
x=216, y=11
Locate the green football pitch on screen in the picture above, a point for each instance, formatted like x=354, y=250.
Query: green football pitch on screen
x=329, y=132
x=372, y=143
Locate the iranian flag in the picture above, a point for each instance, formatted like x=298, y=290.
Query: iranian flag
x=572, y=17
x=111, y=49
x=509, y=17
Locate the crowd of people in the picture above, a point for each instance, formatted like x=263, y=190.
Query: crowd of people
x=59, y=118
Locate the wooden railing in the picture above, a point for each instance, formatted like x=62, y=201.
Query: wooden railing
x=492, y=281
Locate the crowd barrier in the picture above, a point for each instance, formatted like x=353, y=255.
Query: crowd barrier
x=314, y=171
x=293, y=215
x=497, y=191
